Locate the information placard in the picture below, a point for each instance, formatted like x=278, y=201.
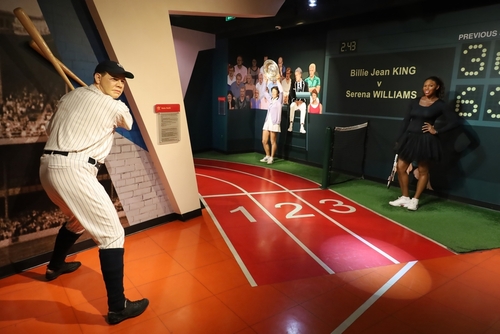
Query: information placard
x=168, y=123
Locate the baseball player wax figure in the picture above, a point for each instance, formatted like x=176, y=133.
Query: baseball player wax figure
x=80, y=136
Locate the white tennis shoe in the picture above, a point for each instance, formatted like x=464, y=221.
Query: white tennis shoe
x=265, y=159
x=401, y=201
x=270, y=161
x=412, y=204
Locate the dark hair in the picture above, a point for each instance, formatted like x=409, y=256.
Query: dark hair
x=230, y=93
x=277, y=90
x=314, y=91
x=439, y=82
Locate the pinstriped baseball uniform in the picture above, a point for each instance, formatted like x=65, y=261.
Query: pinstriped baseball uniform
x=83, y=125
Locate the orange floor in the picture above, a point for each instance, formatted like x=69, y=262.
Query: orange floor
x=195, y=286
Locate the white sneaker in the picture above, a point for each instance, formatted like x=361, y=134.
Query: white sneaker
x=302, y=130
x=412, y=204
x=290, y=128
x=401, y=201
x=265, y=159
x=270, y=161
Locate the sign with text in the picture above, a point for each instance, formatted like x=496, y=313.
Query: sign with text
x=360, y=83
x=168, y=119
x=167, y=108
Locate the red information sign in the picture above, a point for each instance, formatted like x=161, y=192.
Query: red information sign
x=159, y=108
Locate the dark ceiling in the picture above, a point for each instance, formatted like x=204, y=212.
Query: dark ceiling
x=328, y=12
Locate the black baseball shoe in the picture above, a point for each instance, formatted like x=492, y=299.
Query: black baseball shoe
x=132, y=309
x=66, y=268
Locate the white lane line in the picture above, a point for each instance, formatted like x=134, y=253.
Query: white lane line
x=361, y=239
x=258, y=192
x=366, y=305
x=366, y=242
x=280, y=225
x=333, y=191
x=243, y=268
x=393, y=221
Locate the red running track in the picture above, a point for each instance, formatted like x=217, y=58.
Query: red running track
x=282, y=227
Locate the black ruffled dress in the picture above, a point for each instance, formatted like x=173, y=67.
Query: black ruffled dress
x=415, y=145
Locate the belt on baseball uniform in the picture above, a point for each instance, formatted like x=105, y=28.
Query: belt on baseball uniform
x=91, y=161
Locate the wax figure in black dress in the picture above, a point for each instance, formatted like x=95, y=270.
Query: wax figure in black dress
x=418, y=140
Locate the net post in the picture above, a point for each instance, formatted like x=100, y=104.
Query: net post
x=327, y=157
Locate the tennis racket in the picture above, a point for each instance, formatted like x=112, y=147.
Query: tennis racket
x=393, y=172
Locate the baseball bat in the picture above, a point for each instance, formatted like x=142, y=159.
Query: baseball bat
x=66, y=70
x=33, y=32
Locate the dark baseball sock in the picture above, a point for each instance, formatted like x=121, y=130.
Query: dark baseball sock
x=112, y=273
x=64, y=240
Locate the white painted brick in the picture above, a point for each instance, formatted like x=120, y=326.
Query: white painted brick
x=130, y=181
x=148, y=202
x=134, y=200
x=149, y=195
x=132, y=187
x=133, y=161
x=127, y=155
x=149, y=208
x=122, y=141
x=146, y=184
x=110, y=157
x=124, y=169
x=134, y=213
x=120, y=183
x=125, y=195
x=117, y=163
x=161, y=194
x=142, y=191
x=142, y=217
x=115, y=149
x=136, y=206
x=136, y=173
x=136, y=181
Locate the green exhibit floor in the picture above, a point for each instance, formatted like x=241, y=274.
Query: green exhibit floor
x=458, y=226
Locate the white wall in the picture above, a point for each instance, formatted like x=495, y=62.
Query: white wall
x=187, y=45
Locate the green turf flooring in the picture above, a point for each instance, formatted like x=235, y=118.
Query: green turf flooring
x=458, y=226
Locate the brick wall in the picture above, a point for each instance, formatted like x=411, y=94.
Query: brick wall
x=136, y=182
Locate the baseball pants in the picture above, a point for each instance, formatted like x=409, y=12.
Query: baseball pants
x=71, y=183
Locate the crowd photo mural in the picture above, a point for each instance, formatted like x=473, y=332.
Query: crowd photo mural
x=247, y=86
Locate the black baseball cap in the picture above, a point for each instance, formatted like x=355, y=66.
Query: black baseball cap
x=112, y=67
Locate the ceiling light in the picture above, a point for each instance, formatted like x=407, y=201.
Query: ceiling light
x=312, y=3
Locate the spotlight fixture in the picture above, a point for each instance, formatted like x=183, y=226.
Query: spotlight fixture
x=312, y=3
